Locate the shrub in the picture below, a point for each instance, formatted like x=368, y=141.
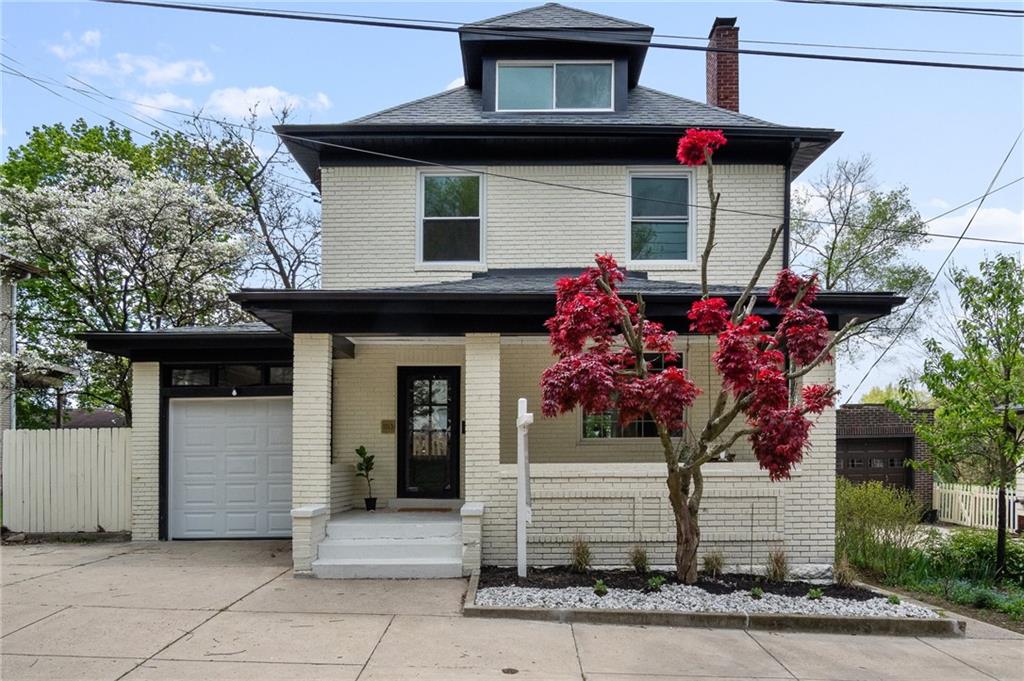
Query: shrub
x=814, y=594
x=756, y=593
x=894, y=599
x=971, y=554
x=580, y=557
x=843, y=573
x=714, y=563
x=638, y=559
x=655, y=583
x=876, y=528
x=600, y=588
x=777, y=566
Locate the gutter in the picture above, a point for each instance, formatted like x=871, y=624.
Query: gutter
x=788, y=192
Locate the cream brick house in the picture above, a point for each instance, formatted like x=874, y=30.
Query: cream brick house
x=446, y=222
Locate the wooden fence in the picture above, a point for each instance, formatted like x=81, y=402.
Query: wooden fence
x=974, y=506
x=67, y=480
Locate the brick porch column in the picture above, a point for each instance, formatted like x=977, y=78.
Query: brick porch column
x=481, y=442
x=145, y=440
x=311, y=445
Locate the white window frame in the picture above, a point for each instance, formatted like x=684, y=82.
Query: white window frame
x=482, y=209
x=553, y=63
x=691, y=220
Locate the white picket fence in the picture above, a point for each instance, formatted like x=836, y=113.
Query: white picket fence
x=67, y=480
x=973, y=506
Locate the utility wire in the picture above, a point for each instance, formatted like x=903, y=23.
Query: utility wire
x=944, y=9
x=698, y=38
x=559, y=185
x=476, y=30
x=931, y=284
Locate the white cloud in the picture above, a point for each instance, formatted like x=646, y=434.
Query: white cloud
x=234, y=102
x=991, y=223
x=151, y=105
x=70, y=46
x=458, y=82
x=147, y=70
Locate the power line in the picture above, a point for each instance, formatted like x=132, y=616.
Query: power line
x=279, y=14
x=942, y=9
x=698, y=38
x=931, y=284
x=558, y=185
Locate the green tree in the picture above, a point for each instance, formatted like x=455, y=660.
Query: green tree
x=856, y=237
x=883, y=394
x=979, y=385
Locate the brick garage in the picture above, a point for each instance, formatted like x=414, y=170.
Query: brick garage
x=874, y=443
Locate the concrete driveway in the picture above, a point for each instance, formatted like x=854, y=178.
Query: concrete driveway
x=232, y=610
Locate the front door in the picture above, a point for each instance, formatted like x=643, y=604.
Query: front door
x=428, y=432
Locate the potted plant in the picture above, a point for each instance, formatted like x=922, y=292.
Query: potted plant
x=364, y=469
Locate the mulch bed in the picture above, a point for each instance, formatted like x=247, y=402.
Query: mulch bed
x=562, y=576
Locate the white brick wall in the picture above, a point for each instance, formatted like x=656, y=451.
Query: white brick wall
x=369, y=222
x=311, y=420
x=145, y=450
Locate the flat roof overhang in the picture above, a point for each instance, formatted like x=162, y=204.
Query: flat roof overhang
x=184, y=345
x=497, y=142
x=429, y=313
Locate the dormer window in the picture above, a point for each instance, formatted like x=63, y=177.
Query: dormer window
x=555, y=86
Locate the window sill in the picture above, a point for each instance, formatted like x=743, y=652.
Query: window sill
x=450, y=267
x=662, y=265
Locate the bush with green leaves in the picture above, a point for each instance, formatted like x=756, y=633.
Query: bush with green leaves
x=600, y=588
x=894, y=599
x=876, y=527
x=757, y=593
x=971, y=554
x=655, y=583
x=814, y=594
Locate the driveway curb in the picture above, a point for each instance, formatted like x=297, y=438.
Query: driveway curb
x=889, y=626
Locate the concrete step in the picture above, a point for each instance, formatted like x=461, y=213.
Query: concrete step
x=405, y=526
x=371, y=549
x=387, y=568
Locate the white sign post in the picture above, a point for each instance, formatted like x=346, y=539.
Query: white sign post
x=524, y=513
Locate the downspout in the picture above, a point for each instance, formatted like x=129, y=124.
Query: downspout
x=793, y=147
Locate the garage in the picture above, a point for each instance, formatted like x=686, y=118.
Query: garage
x=874, y=459
x=229, y=467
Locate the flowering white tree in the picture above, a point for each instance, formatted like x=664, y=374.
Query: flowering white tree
x=125, y=252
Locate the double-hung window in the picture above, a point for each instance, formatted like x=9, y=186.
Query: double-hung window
x=555, y=86
x=660, y=216
x=450, y=220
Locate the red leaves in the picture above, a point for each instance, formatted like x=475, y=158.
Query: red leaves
x=697, y=145
x=818, y=398
x=787, y=287
x=586, y=379
x=709, y=315
x=584, y=310
x=780, y=439
x=805, y=331
x=739, y=355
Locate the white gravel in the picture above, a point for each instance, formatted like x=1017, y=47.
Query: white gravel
x=682, y=598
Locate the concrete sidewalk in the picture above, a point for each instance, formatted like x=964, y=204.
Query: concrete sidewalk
x=232, y=610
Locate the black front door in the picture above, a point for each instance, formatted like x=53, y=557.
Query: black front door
x=428, y=432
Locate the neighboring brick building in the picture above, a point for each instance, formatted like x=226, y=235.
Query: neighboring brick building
x=874, y=443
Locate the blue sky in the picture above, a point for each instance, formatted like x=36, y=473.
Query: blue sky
x=940, y=132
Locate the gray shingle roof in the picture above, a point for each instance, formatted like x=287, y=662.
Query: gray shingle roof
x=542, y=281
x=646, y=106
x=553, y=15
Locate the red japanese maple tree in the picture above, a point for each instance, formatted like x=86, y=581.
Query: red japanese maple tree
x=604, y=341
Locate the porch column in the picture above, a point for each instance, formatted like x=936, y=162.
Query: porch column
x=145, y=439
x=311, y=445
x=481, y=442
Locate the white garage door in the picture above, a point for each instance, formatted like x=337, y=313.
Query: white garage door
x=230, y=467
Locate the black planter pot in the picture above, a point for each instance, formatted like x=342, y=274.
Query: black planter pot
x=371, y=503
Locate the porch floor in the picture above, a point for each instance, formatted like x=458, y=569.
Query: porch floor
x=391, y=544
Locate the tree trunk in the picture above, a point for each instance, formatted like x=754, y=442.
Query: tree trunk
x=1001, y=530
x=687, y=529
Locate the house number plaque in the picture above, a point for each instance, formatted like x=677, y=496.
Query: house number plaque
x=387, y=427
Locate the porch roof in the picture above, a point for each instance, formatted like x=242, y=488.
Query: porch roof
x=514, y=301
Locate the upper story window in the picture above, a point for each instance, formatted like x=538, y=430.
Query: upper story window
x=554, y=86
x=450, y=220
x=659, y=216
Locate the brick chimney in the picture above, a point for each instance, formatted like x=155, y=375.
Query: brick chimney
x=723, y=70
